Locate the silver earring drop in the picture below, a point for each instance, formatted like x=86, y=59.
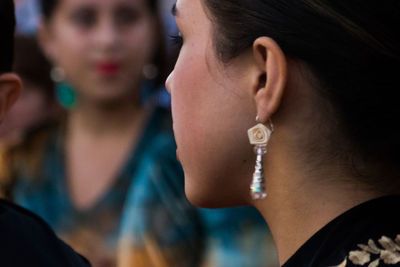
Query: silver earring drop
x=259, y=136
x=57, y=74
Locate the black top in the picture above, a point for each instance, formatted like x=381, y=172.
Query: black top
x=367, y=235
x=26, y=240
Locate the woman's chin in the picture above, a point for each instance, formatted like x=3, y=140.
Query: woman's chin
x=202, y=196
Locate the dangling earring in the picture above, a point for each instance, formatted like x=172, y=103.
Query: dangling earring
x=65, y=94
x=259, y=136
x=57, y=74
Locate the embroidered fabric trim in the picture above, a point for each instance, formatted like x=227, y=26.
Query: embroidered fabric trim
x=388, y=253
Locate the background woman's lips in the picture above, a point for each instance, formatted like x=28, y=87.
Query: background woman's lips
x=108, y=68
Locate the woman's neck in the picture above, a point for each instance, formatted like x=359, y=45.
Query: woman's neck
x=301, y=201
x=106, y=136
x=103, y=120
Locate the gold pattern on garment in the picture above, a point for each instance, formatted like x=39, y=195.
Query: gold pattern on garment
x=388, y=253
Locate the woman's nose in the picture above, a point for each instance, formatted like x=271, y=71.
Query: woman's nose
x=107, y=35
x=168, y=82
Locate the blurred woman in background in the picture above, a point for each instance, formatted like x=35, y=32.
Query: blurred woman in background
x=106, y=178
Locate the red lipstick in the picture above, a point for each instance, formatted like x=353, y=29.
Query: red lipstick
x=108, y=68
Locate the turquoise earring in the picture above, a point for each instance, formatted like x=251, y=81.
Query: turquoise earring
x=65, y=94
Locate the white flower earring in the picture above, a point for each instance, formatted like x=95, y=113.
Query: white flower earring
x=259, y=136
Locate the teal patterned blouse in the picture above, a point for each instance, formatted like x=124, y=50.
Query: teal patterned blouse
x=145, y=218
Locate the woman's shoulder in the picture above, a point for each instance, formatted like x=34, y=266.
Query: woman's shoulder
x=375, y=237
x=26, y=155
x=24, y=233
x=366, y=235
x=32, y=141
x=383, y=251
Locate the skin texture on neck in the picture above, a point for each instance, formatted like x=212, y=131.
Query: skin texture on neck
x=309, y=182
x=105, y=135
x=108, y=119
x=307, y=188
x=297, y=205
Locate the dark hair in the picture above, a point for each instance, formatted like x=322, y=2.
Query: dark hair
x=352, y=48
x=32, y=66
x=7, y=27
x=160, y=57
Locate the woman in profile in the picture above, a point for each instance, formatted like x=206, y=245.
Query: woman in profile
x=105, y=177
x=306, y=91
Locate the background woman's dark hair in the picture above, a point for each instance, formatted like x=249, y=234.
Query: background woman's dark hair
x=352, y=48
x=7, y=25
x=32, y=66
x=160, y=57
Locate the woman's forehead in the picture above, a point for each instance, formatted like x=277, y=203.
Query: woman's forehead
x=186, y=7
x=104, y=3
x=191, y=11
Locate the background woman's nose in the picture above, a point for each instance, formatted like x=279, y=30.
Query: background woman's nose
x=106, y=35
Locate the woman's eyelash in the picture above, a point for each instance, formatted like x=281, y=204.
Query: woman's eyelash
x=177, y=39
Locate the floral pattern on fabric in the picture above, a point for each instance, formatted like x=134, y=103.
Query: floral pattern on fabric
x=388, y=252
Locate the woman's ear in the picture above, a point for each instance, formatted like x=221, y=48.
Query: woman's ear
x=272, y=76
x=10, y=89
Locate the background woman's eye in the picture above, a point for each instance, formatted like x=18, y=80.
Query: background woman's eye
x=177, y=40
x=126, y=15
x=84, y=17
